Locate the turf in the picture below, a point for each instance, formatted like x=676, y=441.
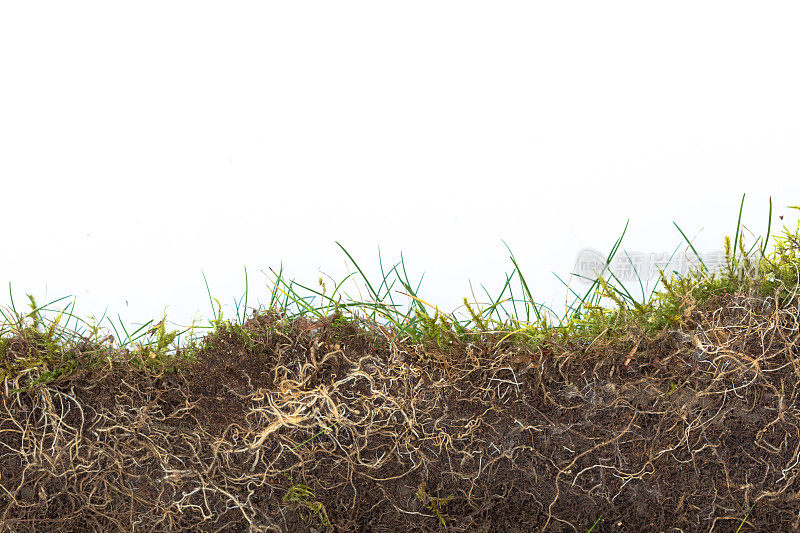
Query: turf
x=677, y=411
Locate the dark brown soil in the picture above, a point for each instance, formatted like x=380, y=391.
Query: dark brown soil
x=297, y=426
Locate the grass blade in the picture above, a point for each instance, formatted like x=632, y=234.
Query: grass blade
x=705, y=269
x=769, y=227
x=525, y=286
x=210, y=300
x=738, y=225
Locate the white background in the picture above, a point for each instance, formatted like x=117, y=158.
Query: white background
x=141, y=143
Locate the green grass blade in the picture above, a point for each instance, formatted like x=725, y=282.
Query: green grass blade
x=369, y=285
x=246, y=293
x=11, y=297
x=738, y=226
x=44, y=307
x=385, y=277
x=407, y=285
x=769, y=227
x=127, y=336
x=525, y=286
x=210, y=300
x=274, y=289
x=690, y=246
x=638, y=277
x=494, y=304
x=585, y=300
x=592, y=290
x=296, y=298
x=653, y=291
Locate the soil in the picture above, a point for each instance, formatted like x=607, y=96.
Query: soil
x=331, y=426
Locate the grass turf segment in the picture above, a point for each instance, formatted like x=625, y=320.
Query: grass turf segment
x=322, y=413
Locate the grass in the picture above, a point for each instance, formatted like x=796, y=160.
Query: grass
x=425, y=322
x=50, y=342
